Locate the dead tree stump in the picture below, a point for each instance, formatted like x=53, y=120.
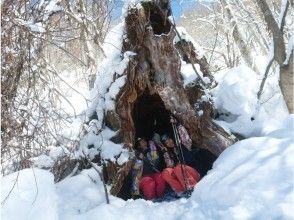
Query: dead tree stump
x=156, y=69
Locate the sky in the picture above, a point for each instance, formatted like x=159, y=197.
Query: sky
x=178, y=7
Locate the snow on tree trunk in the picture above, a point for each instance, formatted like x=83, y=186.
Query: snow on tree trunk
x=156, y=69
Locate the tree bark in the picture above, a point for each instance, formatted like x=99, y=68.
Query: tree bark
x=156, y=68
x=279, y=45
x=286, y=69
x=286, y=83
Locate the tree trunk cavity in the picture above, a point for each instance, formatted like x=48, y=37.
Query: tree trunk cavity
x=156, y=70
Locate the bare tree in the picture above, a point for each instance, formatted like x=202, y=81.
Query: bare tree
x=31, y=32
x=279, y=53
x=244, y=48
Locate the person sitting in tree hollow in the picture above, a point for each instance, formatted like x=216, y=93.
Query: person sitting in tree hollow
x=179, y=174
x=146, y=171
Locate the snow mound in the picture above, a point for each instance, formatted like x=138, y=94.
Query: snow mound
x=103, y=146
x=79, y=194
x=252, y=179
x=110, y=78
x=237, y=91
x=29, y=194
x=235, y=97
x=42, y=161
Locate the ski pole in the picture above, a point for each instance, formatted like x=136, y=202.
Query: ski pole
x=178, y=144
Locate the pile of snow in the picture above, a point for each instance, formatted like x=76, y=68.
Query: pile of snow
x=79, y=194
x=130, y=3
x=235, y=97
x=109, y=79
x=48, y=161
x=256, y=173
x=189, y=75
x=42, y=161
x=103, y=146
x=58, y=152
x=29, y=194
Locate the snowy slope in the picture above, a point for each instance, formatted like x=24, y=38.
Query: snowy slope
x=29, y=195
x=252, y=179
x=235, y=98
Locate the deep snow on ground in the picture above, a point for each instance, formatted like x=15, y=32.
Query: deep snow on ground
x=235, y=98
x=29, y=194
x=252, y=179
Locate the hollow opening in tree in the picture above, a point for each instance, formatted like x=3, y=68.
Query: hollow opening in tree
x=150, y=116
x=158, y=20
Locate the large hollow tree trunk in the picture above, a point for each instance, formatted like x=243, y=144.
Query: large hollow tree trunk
x=156, y=67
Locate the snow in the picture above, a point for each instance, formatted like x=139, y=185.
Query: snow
x=252, y=179
x=58, y=152
x=189, y=74
x=185, y=36
x=102, y=144
x=34, y=27
x=51, y=7
x=282, y=11
x=109, y=77
x=33, y=196
x=289, y=50
x=109, y=80
x=237, y=91
x=37, y=27
x=79, y=194
x=236, y=98
x=42, y=161
x=130, y=3
x=256, y=173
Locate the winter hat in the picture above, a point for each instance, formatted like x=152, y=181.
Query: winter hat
x=156, y=138
x=139, y=139
x=164, y=138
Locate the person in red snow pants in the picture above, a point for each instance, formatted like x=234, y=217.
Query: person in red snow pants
x=178, y=182
x=146, y=171
x=181, y=177
x=152, y=186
